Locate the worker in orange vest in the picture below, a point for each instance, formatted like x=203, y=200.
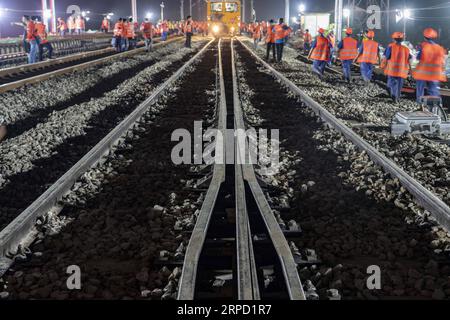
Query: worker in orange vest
x=105, y=25
x=31, y=38
x=62, y=27
x=164, y=30
x=131, y=34
x=307, y=40
x=71, y=24
x=368, y=56
x=270, y=40
x=256, y=34
x=189, y=31
x=147, y=34
x=348, y=50
x=431, y=68
x=118, y=35
x=281, y=33
x=43, y=40
x=320, y=52
x=398, y=64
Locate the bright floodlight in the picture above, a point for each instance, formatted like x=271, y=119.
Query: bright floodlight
x=47, y=14
x=216, y=28
x=294, y=19
x=149, y=15
x=83, y=13
x=407, y=13
x=346, y=13
x=301, y=8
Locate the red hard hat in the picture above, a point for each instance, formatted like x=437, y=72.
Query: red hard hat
x=370, y=34
x=430, y=33
x=398, y=35
x=321, y=30
x=349, y=31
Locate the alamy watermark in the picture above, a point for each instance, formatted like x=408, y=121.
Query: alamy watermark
x=228, y=146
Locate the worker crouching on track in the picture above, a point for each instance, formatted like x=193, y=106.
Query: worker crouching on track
x=397, y=65
x=368, y=56
x=320, y=52
x=43, y=40
x=118, y=34
x=270, y=41
x=431, y=68
x=147, y=34
x=348, y=51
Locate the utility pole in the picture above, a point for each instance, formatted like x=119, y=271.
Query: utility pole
x=162, y=11
x=252, y=10
x=182, y=9
x=190, y=8
x=287, y=13
x=339, y=10
x=243, y=11
x=134, y=10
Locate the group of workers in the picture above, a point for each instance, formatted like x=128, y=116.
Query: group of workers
x=75, y=25
x=395, y=62
x=276, y=35
x=35, y=38
x=125, y=32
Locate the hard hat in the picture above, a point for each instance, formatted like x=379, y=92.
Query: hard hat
x=370, y=34
x=430, y=33
x=321, y=30
x=398, y=35
x=349, y=31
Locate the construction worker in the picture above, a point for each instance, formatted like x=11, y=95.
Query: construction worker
x=348, y=50
x=71, y=24
x=397, y=68
x=256, y=34
x=3, y=130
x=368, y=56
x=307, y=40
x=118, y=35
x=41, y=30
x=164, y=30
x=105, y=25
x=320, y=52
x=431, y=68
x=31, y=38
x=332, y=40
x=281, y=33
x=131, y=34
x=147, y=34
x=189, y=31
x=270, y=40
x=79, y=25
x=61, y=27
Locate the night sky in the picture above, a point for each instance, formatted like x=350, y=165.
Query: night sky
x=265, y=9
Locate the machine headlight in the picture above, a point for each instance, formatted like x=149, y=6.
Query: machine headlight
x=232, y=29
x=216, y=28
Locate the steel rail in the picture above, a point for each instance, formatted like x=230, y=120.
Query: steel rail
x=289, y=267
x=20, y=230
x=439, y=210
x=187, y=283
x=34, y=79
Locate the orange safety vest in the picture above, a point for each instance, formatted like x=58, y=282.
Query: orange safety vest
x=321, y=51
x=79, y=24
x=62, y=25
x=270, y=35
x=332, y=40
x=105, y=24
x=370, y=52
x=349, y=50
x=118, y=29
x=280, y=33
x=188, y=28
x=257, y=32
x=147, y=30
x=71, y=23
x=307, y=37
x=40, y=30
x=431, y=64
x=398, y=64
x=31, y=31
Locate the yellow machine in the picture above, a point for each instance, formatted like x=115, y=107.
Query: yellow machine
x=224, y=17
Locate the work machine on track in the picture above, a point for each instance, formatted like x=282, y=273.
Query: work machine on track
x=432, y=120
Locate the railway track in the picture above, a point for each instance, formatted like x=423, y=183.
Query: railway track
x=237, y=244
x=16, y=77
